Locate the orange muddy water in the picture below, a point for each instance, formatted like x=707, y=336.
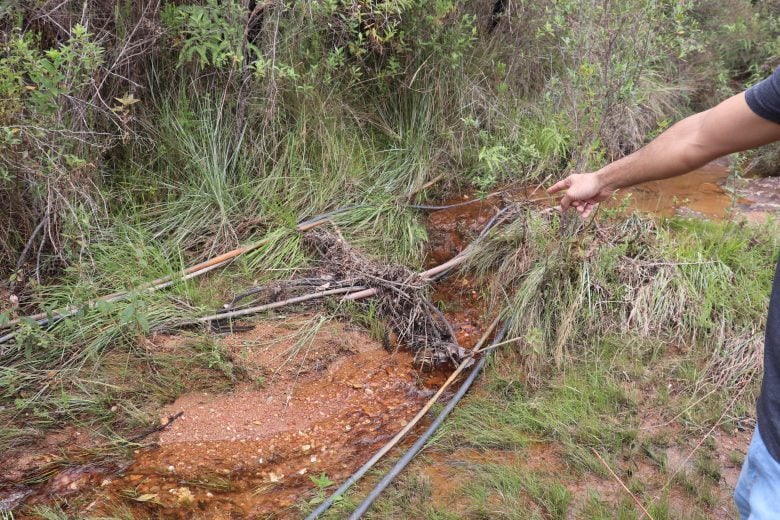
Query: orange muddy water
x=699, y=193
x=707, y=193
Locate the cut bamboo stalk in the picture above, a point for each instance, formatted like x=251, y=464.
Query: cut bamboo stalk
x=159, y=283
x=425, y=275
x=73, y=310
x=274, y=305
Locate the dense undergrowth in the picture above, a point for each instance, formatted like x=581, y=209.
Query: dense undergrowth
x=139, y=137
x=208, y=123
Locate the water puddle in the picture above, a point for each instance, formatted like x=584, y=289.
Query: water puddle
x=700, y=193
x=706, y=193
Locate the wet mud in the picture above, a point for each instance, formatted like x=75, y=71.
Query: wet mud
x=251, y=453
x=759, y=198
x=451, y=230
x=308, y=406
x=315, y=408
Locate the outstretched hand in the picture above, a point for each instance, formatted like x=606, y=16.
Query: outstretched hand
x=583, y=192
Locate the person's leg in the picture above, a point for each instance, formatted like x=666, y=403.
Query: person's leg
x=758, y=488
x=745, y=483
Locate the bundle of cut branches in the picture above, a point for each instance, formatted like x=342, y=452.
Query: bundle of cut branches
x=402, y=296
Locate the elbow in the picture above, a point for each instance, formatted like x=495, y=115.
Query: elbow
x=699, y=146
x=695, y=155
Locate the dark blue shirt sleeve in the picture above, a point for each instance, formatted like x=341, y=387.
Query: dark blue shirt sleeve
x=764, y=98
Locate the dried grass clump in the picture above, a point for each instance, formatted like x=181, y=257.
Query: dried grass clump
x=566, y=285
x=736, y=361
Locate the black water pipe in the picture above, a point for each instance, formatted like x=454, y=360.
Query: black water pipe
x=402, y=463
x=418, y=445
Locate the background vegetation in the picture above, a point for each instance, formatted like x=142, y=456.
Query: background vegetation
x=137, y=137
x=206, y=123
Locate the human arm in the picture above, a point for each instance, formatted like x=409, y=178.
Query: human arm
x=731, y=126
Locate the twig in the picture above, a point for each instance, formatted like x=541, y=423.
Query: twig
x=638, y=502
x=501, y=344
x=158, y=428
x=670, y=421
x=425, y=186
x=44, y=320
x=274, y=305
x=440, y=315
x=30, y=241
x=425, y=275
x=479, y=200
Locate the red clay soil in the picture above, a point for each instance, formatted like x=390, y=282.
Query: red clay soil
x=451, y=230
x=250, y=453
x=323, y=406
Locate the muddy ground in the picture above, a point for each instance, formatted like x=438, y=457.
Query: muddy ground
x=320, y=407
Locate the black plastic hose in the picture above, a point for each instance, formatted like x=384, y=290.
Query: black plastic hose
x=418, y=445
x=401, y=464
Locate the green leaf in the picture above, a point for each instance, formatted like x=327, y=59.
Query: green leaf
x=126, y=316
x=143, y=321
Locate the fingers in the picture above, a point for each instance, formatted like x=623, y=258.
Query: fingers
x=560, y=185
x=588, y=209
x=584, y=209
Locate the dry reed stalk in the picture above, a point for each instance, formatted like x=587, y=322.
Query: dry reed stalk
x=638, y=502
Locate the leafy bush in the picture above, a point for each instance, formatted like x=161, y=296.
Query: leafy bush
x=481, y=92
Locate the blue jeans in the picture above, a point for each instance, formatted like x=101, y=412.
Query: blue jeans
x=758, y=490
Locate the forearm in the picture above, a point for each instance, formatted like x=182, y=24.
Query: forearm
x=693, y=142
x=672, y=153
